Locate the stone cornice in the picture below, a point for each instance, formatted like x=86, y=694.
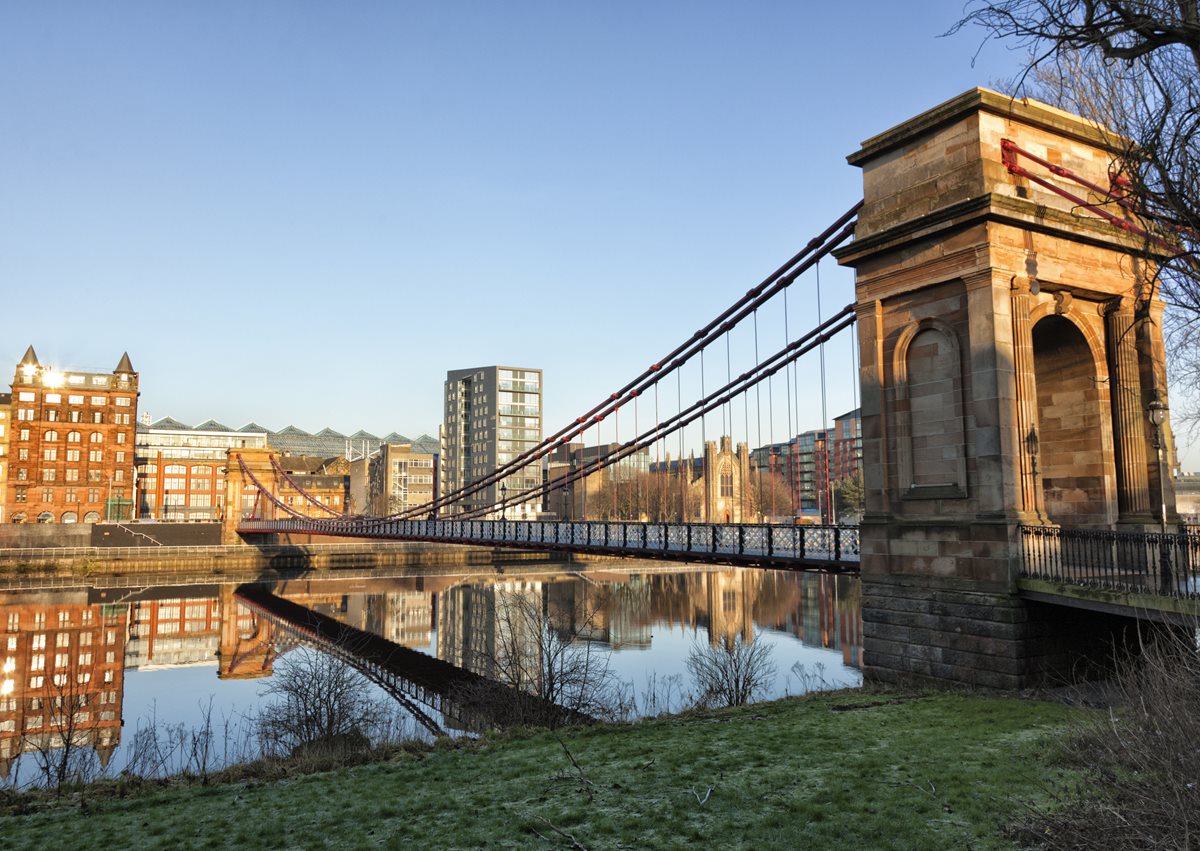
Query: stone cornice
x=1024, y=110
x=1004, y=209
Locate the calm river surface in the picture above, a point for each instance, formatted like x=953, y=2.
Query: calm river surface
x=167, y=652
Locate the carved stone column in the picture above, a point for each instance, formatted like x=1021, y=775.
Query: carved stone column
x=1026, y=385
x=1128, y=417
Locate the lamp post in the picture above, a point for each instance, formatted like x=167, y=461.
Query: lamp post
x=503, y=497
x=1157, y=413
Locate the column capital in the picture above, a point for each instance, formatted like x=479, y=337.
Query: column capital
x=1024, y=285
x=1118, y=305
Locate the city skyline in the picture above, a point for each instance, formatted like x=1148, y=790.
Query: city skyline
x=628, y=170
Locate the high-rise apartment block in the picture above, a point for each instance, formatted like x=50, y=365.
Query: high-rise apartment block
x=493, y=415
x=70, y=443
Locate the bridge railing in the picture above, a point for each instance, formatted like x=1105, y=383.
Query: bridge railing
x=1140, y=562
x=745, y=540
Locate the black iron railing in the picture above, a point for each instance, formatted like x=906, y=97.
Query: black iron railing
x=1141, y=562
x=733, y=543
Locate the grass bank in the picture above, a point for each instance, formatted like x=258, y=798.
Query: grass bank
x=848, y=770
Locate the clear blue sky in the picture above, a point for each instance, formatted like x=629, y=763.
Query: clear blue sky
x=302, y=212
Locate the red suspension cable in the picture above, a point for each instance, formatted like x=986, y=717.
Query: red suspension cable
x=841, y=230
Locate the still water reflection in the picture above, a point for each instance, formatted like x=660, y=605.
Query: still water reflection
x=90, y=663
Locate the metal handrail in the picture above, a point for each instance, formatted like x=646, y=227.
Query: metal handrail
x=1138, y=562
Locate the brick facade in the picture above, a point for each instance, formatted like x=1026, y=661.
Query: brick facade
x=71, y=444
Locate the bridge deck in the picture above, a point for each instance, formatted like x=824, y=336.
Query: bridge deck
x=756, y=545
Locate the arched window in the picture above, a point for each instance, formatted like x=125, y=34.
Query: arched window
x=50, y=436
x=91, y=517
x=45, y=517
x=73, y=437
x=149, y=469
x=70, y=517
x=96, y=437
x=201, y=470
x=19, y=517
x=175, y=470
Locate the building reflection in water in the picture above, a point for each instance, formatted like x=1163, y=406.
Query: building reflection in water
x=68, y=650
x=62, y=679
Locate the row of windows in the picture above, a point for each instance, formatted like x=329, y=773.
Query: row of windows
x=67, y=517
x=75, y=399
x=69, y=494
x=51, y=454
x=21, y=474
x=64, y=620
x=26, y=415
x=61, y=680
x=37, y=662
x=51, y=436
x=62, y=639
x=93, y=476
x=177, y=470
x=196, y=500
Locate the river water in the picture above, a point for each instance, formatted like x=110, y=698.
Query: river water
x=100, y=661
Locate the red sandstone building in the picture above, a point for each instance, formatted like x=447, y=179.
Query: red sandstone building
x=70, y=443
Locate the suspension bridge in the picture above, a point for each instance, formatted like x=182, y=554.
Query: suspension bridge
x=1005, y=341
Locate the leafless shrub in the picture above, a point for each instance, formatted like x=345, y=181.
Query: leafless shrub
x=159, y=750
x=66, y=744
x=662, y=696
x=810, y=680
x=1138, y=780
x=318, y=703
x=731, y=671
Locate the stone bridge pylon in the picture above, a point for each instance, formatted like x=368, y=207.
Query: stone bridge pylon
x=1010, y=346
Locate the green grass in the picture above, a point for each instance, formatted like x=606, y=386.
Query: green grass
x=851, y=770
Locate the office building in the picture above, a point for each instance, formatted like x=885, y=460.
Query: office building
x=493, y=415
x=398, y=478
x=181, y=469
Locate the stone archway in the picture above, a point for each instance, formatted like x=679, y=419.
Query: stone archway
x=1075, y=470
